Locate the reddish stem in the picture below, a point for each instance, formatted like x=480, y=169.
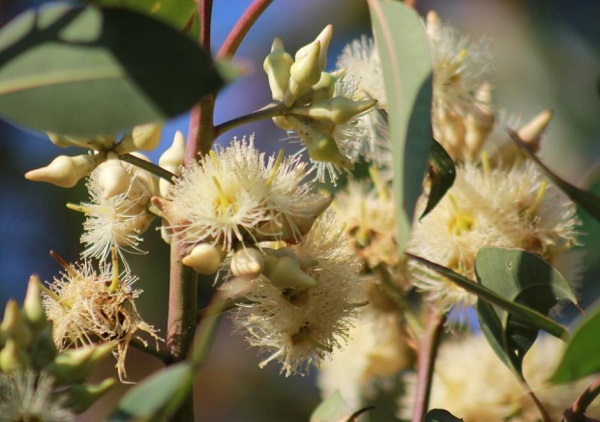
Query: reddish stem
x=241, y=28
x=428, y=347
x=577, y=411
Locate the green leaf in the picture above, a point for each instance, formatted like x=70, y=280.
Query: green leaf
x=88, y=71
x=406, y=63
x=586, y=200
x=590, y=231
x=157, y=397
x=442, y=173
x=177, y=13
x=581, y=356
x=523, y=278
x=440, y=415
x=534, y=318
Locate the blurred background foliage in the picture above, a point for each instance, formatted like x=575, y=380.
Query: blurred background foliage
x=547, y=56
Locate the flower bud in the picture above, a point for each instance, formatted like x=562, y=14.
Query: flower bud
x=82, y=396
x=325, y=149
x=65, y=171
x=324, y=38
x=282, y=122
x=43, y=350
x=113, y=178
x=322, y=90
x=247, y=263
x=305, y=70
x=277, y=67
x=285, y=272
x=172, y=160
x=13, y=326
x=339, y=109
x=75, y=365
x=204, y=258
x=531, y=133
x=12, y=356
x=33, y=309
x=143, y=137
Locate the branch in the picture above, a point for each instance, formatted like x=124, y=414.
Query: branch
x=576, y=413
x=241, y=28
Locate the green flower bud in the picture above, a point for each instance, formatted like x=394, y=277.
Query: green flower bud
x=43, y=350
x=322, y=90
x=338, y=110
x=325, y=149
x=277, y=67
x=33, y=309
x=97, y=142
x=75, y=365
x=305, y=70
x=12, y=356
x=247, y=263
x=82, y=396
x=282, y=122
x=113, y=178
x=324, y=38
x=65, y=171
x=13, y=326
x=172, y=160
x=285, y=272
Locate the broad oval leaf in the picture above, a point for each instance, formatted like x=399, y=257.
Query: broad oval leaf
x=581, y=356
x=406, y=63
x=523, y=278
x=84, y=71
x=148, y=400
x=442, y=173
x=441, y=415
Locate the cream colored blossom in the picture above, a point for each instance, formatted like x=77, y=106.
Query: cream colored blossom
x=375, y=351
x=473, y=384
x=235, y=193
x=84, y=309
x=298, y=327
x=119, y=220
x=27, y=396
x=508, y=208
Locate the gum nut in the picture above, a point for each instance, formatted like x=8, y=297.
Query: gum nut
x=247, y=263
x=33, y=309
x=174, y=155
x=305, y=70
x=65, y=171
x=204, y=258
x=325, y=149
x=113, y=178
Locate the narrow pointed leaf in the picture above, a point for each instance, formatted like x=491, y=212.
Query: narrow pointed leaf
x=406, y=63
x=148, y=400
x=522, y=278
x=533, y=318
x=581, y=357
x=332, y=409
x=440, y=415
x=586, y=200
x=83, y=71
x=442, y=173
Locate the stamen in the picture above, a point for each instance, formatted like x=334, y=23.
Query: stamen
x=363, y=231
x=114, y=285
x=461, y=221
x=68, y=268
x=224, y=202
x=276, y=166
x=538, y=200
x=380, y=187
x=79, y=208
x=485, y=163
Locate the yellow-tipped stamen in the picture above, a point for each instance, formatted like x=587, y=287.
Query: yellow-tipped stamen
x=380, y=187
x=215, y=159
x=363, y=231
x=79, y=208
x=276, y=166
x=485, y=163
x=114, y=285
x=68, y=268
x=538, y=200
x=461, y=221
x=223, y=201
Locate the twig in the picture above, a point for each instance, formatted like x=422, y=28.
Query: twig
x=241, y=28
x=159, y=354
x=428, y=347
x=576, y=412
x=266, y=112
x=148, y=166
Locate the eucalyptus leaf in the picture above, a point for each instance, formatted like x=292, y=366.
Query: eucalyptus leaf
x=332, y=409
x=523, y=278
x=442, y=173
x=84, y=71
x=406, y=64
x=177, y=13
x=586, y=200
x=148, y=401
x=581, y=357
x=440, y=415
